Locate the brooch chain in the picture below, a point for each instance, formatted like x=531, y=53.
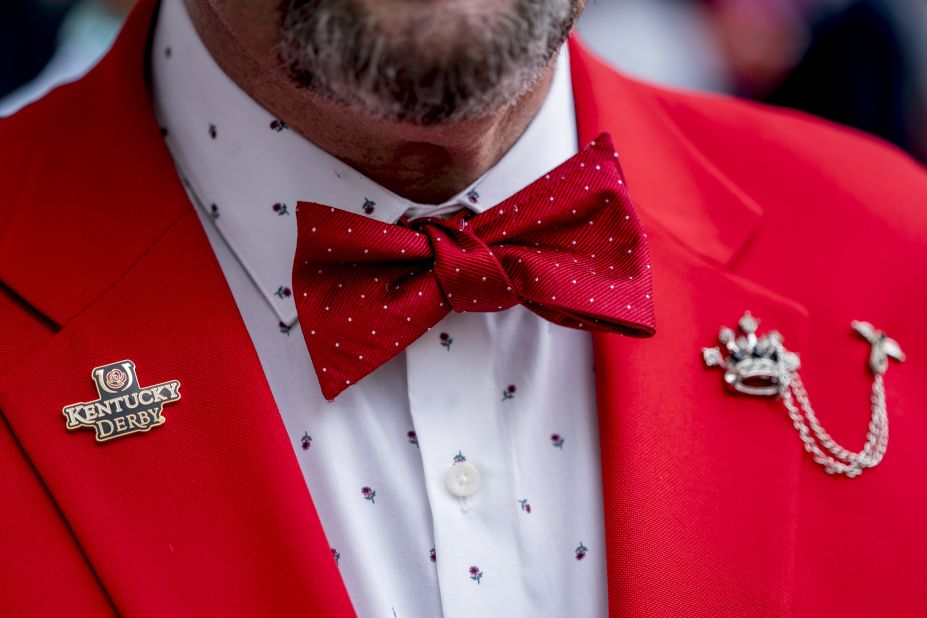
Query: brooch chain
x=762, y=366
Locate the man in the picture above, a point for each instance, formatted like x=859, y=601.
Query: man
x=250, y=226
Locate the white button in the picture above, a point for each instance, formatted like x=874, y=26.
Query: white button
x=462, y=479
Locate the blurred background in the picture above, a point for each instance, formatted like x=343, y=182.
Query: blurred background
x=862, y=63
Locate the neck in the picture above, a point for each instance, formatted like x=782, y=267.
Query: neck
x=425, y=164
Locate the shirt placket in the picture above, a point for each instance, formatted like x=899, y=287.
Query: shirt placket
x=454, y=405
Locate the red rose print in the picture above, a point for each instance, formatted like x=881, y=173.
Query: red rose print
x=116, y=378
x=580, y=551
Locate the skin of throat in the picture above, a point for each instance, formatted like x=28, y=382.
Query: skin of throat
x=424, y=164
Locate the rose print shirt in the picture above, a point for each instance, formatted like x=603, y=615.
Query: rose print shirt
x=460, y=479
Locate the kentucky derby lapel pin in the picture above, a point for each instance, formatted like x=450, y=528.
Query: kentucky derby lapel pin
x=763, y=366
x=123, y=407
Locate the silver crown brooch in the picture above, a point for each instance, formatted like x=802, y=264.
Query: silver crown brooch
x=763, y=366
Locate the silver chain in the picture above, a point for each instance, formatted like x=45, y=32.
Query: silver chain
x=833, y=457
x=762, y=366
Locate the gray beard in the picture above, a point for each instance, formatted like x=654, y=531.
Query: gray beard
x=421, y=72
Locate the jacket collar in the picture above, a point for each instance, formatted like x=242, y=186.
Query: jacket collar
x=670, y=179
x=101, y=173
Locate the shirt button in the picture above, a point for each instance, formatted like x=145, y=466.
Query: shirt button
x=462, y=479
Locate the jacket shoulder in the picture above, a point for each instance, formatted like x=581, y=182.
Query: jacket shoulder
x=23, y=135
x=769, y=151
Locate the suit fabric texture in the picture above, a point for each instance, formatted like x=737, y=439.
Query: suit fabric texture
x=712, y=508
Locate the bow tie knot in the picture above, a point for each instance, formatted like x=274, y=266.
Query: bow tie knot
x=465, y=267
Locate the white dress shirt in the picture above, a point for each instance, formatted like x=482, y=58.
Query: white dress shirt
x=462, y=478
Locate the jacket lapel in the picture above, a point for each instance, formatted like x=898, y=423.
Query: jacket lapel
x=207, y=514
x=209, y=509
x=700, y=485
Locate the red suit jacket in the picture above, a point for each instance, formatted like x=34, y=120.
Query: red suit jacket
x=712, y=508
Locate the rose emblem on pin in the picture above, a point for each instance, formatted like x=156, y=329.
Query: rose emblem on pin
x=116, y=378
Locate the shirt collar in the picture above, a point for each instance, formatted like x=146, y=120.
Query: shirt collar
x=246, y=170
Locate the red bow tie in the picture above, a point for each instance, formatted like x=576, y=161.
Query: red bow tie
x=569, y=247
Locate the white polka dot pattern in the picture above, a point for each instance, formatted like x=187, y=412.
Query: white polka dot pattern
x=569, y=247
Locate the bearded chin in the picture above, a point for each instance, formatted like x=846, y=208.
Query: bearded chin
x=430, y=66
